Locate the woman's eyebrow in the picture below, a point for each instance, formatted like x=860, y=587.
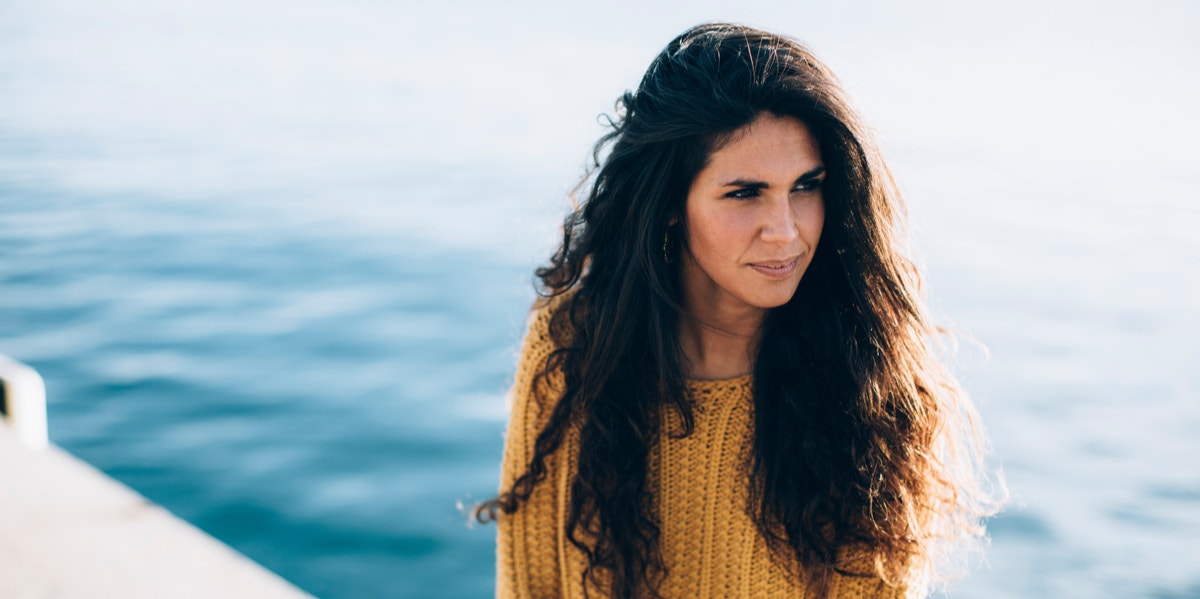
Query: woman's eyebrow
x=753, y=184
x=813, y=174
x=747, y=184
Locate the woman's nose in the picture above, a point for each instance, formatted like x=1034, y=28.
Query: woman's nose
x=779, y=224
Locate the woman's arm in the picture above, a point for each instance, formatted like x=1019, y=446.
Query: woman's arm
x=528, y=560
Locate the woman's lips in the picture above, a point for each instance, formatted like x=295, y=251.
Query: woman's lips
x=776, y=269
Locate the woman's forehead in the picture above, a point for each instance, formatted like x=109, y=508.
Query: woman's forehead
x=770, y=146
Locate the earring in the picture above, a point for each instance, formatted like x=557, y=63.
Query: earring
x=667, y=246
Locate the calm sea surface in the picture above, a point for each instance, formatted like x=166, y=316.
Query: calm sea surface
x=273, y=259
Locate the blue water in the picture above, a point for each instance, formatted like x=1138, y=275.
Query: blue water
x=273, y=261
x=273, y=387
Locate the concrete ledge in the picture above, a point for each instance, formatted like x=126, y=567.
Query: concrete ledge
x=23, y=402
x=67, y=531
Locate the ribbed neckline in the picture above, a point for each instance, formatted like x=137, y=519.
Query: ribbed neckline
x=713, y=384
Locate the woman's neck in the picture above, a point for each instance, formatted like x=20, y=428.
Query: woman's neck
x=719, y=344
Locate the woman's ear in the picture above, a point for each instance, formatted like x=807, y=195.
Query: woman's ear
x=671, y=222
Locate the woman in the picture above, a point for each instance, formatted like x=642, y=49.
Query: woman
x=731, y=388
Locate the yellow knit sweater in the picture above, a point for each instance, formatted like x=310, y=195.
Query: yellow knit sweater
x=709, y=543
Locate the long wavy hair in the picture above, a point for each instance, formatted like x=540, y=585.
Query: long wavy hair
x=864, y=445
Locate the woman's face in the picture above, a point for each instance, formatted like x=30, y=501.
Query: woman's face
x=753, y=218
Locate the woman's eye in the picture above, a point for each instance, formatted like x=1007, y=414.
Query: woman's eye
x=810, y=185
x=743, y=194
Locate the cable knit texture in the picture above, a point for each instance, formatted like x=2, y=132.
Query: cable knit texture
x=709, y=542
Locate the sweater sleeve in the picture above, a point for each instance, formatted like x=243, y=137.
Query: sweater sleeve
x=528, y=560
x=871, y=588
x=862, y=583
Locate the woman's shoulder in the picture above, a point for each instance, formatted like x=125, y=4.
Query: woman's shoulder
x=554, y=300
x=538, y=382
x=546, y=330
x=542, y=317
